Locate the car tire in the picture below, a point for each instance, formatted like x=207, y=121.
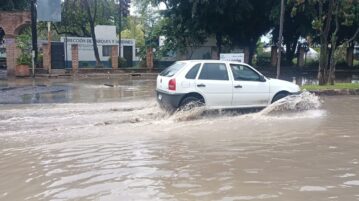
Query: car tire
x=279, y=96
x=190, y=102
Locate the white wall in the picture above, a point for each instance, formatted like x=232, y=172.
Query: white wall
x=86, y=52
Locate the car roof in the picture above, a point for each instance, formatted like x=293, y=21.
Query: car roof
x=212, y=61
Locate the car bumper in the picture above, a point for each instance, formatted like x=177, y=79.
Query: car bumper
x=169, y=101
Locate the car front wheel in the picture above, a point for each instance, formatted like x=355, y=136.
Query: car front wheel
x=279, y=96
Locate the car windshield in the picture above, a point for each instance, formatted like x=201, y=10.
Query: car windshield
x=172, y=70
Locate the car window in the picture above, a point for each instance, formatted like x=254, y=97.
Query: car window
x=192, y=74
x=172, y=70
x=244, y=73
x=214, y=71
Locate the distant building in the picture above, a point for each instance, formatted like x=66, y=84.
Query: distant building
x=106, y=38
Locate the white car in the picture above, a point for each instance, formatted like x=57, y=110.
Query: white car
x=218, y=85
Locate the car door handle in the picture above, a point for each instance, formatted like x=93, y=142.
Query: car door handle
x=238, y=86
x=201, y=85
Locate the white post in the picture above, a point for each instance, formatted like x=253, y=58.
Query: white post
x=49, y=43
x=33, y=62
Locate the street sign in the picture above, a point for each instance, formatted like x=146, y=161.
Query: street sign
x=49, y=10
x=239, y=57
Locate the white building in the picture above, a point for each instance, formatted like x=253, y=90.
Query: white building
x=106, y=38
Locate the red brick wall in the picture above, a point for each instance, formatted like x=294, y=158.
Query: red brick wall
x=46, y=56
x=114, y=57
x=12, y=23
x=75, y=58
x=11, y=55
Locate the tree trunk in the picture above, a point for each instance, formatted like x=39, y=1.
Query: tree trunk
x=332, y=64
x=290, y=52
x=219, y=43
x=92, y=27
x=333, y=60
x=252, y=50
x=95, y=48
x=323, y=61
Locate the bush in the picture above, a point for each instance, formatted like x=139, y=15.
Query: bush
x=263, y=59
x=122, y=62
x=23, y=42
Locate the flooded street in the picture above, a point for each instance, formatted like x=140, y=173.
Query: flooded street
x=108, y=140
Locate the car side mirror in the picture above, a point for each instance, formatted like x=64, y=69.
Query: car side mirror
x=262, y=78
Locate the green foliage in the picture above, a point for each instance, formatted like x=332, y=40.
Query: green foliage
x=331, y=87
x=134, y=30
x=14, y=5
x=188, y=24
x=262, y=58
x=23, y=42
x=76, y=21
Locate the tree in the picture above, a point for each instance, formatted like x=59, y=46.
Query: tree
x=346, y=15
x=254, y=23
x=14, y=5
x=91, y=10
x=238, y=23
x=134, y=30
x=81, y=16
x=297, y=23
x=329, y=18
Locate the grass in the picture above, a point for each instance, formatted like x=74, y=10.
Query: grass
x=328, y=87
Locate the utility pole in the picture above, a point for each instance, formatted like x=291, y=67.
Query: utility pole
x=34, y=35
x=280, y=39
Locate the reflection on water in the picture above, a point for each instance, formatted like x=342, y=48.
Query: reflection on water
x=310, y=79
x=135, y=151
x=65, y=90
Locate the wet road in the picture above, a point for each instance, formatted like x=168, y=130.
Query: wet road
x=131, y=150
x=76, y=90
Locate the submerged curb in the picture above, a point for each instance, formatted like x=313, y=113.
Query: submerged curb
x=335, y=92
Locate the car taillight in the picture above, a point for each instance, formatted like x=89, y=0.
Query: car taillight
x=172, y=85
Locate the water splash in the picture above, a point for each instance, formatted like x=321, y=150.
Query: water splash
x=188, y=115
x=294, y=103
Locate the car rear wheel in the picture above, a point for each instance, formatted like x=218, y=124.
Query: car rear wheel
x=191, y=102
x=279, y=96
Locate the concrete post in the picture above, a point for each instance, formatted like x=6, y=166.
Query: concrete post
x=300, y=58
x=11, y=56
x=350, y=56
x=114, y=57
x=274, y=55
x=75, y=58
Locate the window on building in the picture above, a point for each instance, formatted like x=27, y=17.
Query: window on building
x=106, y=50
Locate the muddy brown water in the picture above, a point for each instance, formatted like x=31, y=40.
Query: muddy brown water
x=300, y=149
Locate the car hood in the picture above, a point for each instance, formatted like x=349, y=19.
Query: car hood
x=288, y=86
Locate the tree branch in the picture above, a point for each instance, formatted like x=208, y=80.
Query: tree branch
x=354, y=36
x=66, y=32
x=329, y=18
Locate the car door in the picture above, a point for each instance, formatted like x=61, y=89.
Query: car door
x=214, y=84
x=250, y=89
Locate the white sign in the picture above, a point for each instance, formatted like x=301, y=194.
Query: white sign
x=239, y=57
x=88, y=41
x=49, y=10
